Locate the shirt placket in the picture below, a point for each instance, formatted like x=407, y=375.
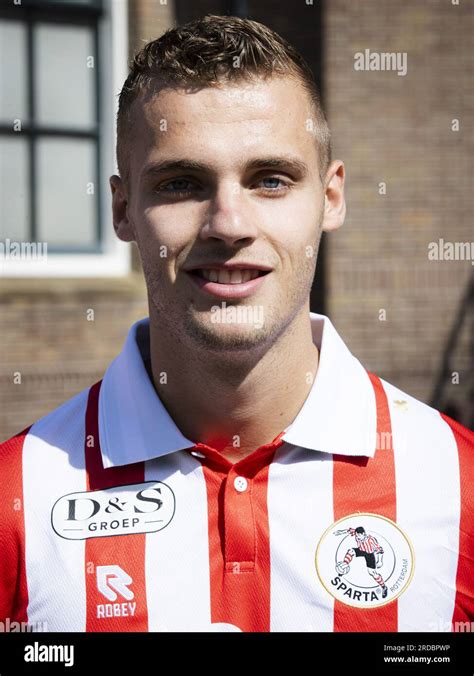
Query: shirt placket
x=239, y=523
x=237, y=512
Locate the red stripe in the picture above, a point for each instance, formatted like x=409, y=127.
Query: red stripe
x=464, y=600
x=13, y=583
x=371, y=544
x=239, y=538
x=125, y=551
x=363, y=484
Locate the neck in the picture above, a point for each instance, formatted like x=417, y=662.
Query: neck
x=234, y=403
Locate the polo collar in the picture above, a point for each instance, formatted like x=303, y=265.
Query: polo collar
x=337, y=417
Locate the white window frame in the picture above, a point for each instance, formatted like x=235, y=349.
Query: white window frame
x=115, y=260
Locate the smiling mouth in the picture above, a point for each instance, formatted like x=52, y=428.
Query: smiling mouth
x=239, y=276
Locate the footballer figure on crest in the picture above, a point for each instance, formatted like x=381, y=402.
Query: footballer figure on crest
x=369, y=548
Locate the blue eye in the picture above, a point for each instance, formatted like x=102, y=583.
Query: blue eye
x=183, y=187
x=272, y=178
x=276, y=188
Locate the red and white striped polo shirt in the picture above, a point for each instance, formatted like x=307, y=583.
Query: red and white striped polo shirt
x=112, y=520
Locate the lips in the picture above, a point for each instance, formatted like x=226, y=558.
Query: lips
x=228, y=283
x=228, y=276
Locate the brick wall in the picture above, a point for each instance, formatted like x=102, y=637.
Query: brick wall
x=397, y=129
x=50, y=350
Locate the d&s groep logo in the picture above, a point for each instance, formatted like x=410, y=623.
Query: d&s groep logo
x=122, y=510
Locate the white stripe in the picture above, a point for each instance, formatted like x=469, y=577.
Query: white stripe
x=53, y=466
x=300, y=509
x=177, y=558
x=428, y=510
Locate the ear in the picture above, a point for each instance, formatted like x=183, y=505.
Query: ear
x=122, y=226
x=334, y=201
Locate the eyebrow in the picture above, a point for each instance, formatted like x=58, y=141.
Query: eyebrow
x=272, y=162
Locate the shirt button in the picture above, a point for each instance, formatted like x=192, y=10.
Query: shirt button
x=198, y=454
x=240, y=484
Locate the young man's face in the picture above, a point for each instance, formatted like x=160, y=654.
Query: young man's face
x=235, y=202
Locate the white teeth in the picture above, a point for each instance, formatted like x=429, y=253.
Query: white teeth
x=229, y=276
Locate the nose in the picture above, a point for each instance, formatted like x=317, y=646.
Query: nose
x=229, y=217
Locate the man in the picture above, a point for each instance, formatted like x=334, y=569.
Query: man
x=199, y=484
x=369, y=549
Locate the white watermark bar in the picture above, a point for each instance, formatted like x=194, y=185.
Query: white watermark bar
x=8, y=626
x=238, y=314
x=451, y=251
x=395, y=61
x=23, y=251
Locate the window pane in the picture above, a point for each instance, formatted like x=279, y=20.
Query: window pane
x=13, y=80
x=64, y=84
x=14, y=189
x=66, y=212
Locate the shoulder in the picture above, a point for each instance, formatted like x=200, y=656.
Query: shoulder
x=50, y=438
x=421, y=432
x=411, y=410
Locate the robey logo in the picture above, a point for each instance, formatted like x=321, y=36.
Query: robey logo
x=113, y=581
x=122, y=510
x=365, y=560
